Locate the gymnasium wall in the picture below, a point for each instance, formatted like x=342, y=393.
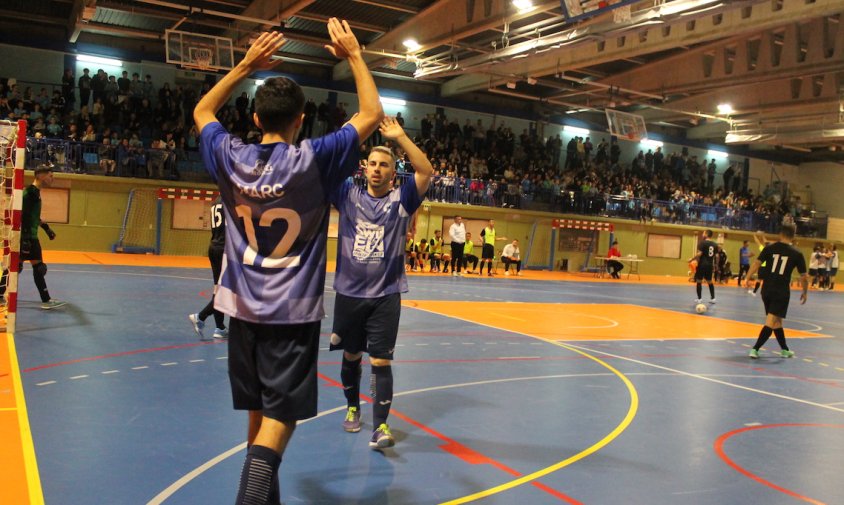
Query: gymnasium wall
x=824, y=182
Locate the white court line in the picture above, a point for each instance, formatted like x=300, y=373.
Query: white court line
x=46, y=383
x=196, y=361
x=77, y=377
x=139, y=367
x=109, y=372
x=223, y=357
x=132, y=274
x=169, y=364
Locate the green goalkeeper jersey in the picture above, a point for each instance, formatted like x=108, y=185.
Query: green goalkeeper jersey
x=31, y=212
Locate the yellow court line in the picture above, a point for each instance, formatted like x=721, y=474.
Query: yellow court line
x=33, y=480
x=8, y=409
x=631, y=413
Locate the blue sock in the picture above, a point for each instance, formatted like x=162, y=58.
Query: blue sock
x=260, y=472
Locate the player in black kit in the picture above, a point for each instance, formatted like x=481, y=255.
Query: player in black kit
x=705, y=256
x=780, y=258
x=215, y=255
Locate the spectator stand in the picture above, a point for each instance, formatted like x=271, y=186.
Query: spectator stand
x=587, y=246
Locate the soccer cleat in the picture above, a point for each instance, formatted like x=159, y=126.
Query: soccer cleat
x=198, y=324
x=786, y=354
x=52, y=304
x=712, y=301
x=454, y=274
x=220, y=333
x=352, y=421
x=382, y=438
x=754, y=354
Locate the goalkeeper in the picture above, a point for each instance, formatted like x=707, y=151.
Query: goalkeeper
x=30, y=222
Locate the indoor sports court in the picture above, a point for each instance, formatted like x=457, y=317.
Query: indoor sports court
x=546, y=388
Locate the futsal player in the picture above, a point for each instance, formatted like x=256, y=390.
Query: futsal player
x=780, y=258
x=275, y=203
x=30, y=245
x=215, y=256
x=370, y=275
x=705, y=256
x=488, y=250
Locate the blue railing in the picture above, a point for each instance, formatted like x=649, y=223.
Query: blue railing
x=92, y=158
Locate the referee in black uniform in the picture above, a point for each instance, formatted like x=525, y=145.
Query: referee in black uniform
x=780, y=258
x=215, y=256
x=705, y=256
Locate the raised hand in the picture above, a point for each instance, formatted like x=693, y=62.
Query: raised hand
x=343, y=42
x=390, y=128
x=259, y=56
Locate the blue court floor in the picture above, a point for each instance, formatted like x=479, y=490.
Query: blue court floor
x=127, y=406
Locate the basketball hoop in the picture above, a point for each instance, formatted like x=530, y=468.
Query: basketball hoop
x=200, y=58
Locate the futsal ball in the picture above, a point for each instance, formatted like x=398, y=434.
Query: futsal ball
x=700, y=308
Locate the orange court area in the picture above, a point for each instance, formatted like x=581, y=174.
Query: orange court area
x=582, y=322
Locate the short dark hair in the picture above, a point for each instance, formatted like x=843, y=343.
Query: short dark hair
x=278, y=102
x=788, y=230
x=43, y=169
x=708, y=233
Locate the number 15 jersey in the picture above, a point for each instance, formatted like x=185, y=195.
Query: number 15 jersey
x=275, y=203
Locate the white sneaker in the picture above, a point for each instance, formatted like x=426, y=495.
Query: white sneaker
x=221, y=333
x=698, y=300
x=198, y=324
x=454, y=274
x=506, y=273
x=712, y=301
x=519, y=274
x=53, y=304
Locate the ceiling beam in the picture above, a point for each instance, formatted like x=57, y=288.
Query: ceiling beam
x=662, y=33
x=444, y=22
x=274, y=11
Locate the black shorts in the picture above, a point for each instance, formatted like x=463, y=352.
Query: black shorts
x=703, y=272
x=272, y=368
x=367, y=324
x=488, y=252
x=31, y=250
x=776, y=303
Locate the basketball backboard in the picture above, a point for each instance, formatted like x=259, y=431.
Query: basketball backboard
x=625, y=125
x=194, y=50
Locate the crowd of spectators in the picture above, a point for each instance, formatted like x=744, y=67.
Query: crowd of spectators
x=139, y=129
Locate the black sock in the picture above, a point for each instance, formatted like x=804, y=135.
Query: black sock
x=41, y=284
x=256, y=478
x=489, y=267
x=219, y=319
x=699, y=289
x=780, y=334
x=207, y=310
x=712, y=291
x=382, y=394
x=350, y=375
x=764, y=335
x=756, y=287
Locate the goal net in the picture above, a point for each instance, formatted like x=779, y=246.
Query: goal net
x=139, y=232
x=12, y=160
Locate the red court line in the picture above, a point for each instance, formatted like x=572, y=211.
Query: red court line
x=461, y=451
x=719, y=449
x=119, y=354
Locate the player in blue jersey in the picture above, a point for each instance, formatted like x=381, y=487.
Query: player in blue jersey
x=275, y=203
x=370, y=275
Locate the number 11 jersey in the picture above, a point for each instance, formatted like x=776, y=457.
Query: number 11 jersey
x=780, y=259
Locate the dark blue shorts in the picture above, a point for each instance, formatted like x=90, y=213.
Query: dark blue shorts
x=272, y=368
x=367, y=324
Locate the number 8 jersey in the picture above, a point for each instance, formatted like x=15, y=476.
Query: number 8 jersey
x=275, y=199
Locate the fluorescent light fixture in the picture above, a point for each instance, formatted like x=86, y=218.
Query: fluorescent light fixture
x=717, y=154
x=651, y=143
x=531, y=81
x=523, y=5
x=393, y=101
x=411, y=45
x=99, y=59
x=511, y=84
x=725, y=108
x=259, y=82
x=575, y=130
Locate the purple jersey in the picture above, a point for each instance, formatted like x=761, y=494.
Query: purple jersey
x=275, y=202
x=370, y=244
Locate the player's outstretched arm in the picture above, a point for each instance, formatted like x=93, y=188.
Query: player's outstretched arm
x=391, y=129
x=344, y=45
x=258, y=57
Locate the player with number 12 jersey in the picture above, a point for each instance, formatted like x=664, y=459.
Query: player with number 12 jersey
x=276, y=211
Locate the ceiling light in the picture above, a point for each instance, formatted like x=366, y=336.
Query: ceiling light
x=651, y=143
x=717, y=154
x=531, y=81
x=523, y=5
x=511, y=84
x=100, y=60
x=411, y=45
x=259, y=82
x=385, y=100
x=575, y=130
x=725, y=108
